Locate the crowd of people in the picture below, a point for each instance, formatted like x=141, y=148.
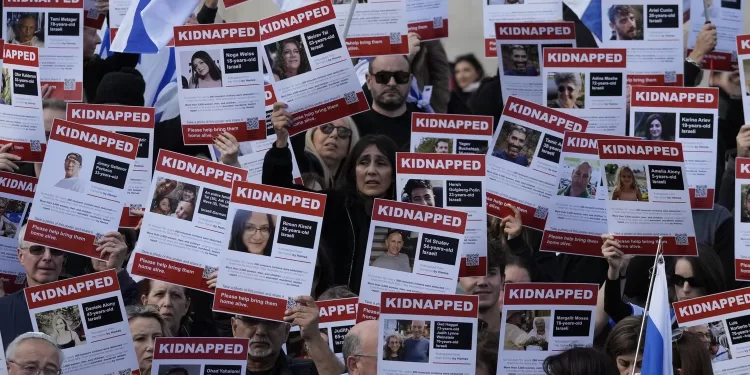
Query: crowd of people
x=353, y=162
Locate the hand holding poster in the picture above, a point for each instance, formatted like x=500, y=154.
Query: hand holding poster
x=378, y=27
x=647, y=196
x=589, y=83
x=88, y=312
x=450, y=134
x=542, y=319
x=200, y=355
x=742, y=219
x=729, y=20
x=81, y=188
x=451, y=329
x=21, y=121
x=312, y=71
x=268, y=258
x=455, y=182
x=185, y=220
x=56, y=28
x=428, y=18
x=137, y=122
x=503, y=11
x=336, y=318
x=16, y=194
x=410, y=248
x=523, y=160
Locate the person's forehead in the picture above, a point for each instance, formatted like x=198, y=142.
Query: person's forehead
x=518, y=133
x=389, y=63
x=35, y=349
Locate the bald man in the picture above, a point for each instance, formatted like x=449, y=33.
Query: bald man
x=416, y=347
x=360, y=349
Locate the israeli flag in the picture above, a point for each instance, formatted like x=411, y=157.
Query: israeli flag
x=590, y=13
x=657, y=351
x=147, y=26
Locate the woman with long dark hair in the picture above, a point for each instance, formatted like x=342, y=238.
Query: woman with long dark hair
x=393, y=349
x=205, y=71
x=656, y=128
x=689, y=356
x=290, y=60
x=252, y=232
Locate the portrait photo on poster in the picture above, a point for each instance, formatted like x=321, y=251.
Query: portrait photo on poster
x=652, y=126
x=180, y=369
x=627, y=182
x=516, y=144
x=625, y=22
x=566, y=90
x=25, y=28
x=253, y=232
x=174, y=198
x=74, y=173
x=6, y=93
x=288, y=58
x=63, y=325
x=435, y=146
x=746, y=70
x=580, y=178
x=527, y=330
x=714, y=336
x=406, y=340
x=520, y=59
x=201, y=69
x=393, y=249
x=423, y=192
x=745, y=206
x=11, y=216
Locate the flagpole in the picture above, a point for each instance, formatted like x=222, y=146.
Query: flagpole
x=349, y=18
x=648, y=302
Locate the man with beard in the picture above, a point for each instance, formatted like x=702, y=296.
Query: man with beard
x=622, y=23
x=516, y=143
x=579, y=182
x=519, y=59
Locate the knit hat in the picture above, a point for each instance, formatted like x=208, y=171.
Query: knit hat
x=125, y=87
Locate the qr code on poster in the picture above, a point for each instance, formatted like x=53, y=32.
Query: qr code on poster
x=69, y=84
x=98, y=237
x=20, y=278
x=36, y=146
x=701, y=191
x=395, y=38
x=472, y=260
x=350, y=97
x=681, y=239
x=136, y=207
x=437, y=23
x=252, y=123
x=540, y=213
x=92, y=14
x=670, y=77
x=291, y=303
x=208, y=270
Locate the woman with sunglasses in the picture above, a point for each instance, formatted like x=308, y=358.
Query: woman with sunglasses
x=326, y=148
x=568, y=89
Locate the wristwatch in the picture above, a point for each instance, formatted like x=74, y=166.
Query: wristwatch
x=688, y=59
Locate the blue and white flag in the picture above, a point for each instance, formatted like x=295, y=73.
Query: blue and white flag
x=590, y=13
x=657, y=350
x=147, y=26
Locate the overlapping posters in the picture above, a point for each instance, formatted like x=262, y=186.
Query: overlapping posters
x=729, y=19
x=268, y=257
x=688, y=115
x=428, y=18
x=438, y=333
x=16, y=194
x=456, y=182
x=534, y=11
x=185, y=220
x=521, y=48
x=378, y=27
x=56, y=28
x=651, y=30
x=137, y=122
x=200, y=355
x=742, y=219
x=578, y=215
x=117, y=11
x=720, y=319
x=647, y=196
x=522, y=163
x=86, y=316
x=450, y=134
x=543, y=319
x=81, y=189
x=589, y=83
x=222, y=82
x=743, y=52
x=311, y=68
x=21, y=121
x=336, y=318
x=91, y=16
x=410, y=248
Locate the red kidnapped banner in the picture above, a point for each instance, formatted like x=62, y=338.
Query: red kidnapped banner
x=622, y=149
x=742, y=168
x=535, y=31
x=94, y=139
x=111, y=115
x=419, y=216
x=275, y=198
x=337, y=310
x=72, y=289
x=217, y=33
x=712, y=306
x=199, y=169
x=743, y=44
x=586, y=143
x=674, y=97
x=550, y=294
x=542, y=116
x=429, y=304
x=70, y=4
x=17, y=54
x=441, y=164
x=209, y=348
x=17, y=184
x=585, y=58
x=296, y=19
x=451, y=124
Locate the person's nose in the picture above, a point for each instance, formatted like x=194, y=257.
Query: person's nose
x=686, y=287
x=167, y=301
x=47, y=255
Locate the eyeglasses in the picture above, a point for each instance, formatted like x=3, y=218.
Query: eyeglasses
x=384, y=78
x=39, y=250
x=563, y=88
x=29, y=369
x=678, y=280
x=366, y=355
x=340, y=130
x=252, y=230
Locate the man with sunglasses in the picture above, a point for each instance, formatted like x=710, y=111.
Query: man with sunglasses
x=44, y=265
x=360, y=349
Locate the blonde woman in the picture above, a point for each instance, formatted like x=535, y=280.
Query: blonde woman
x=63, y=333
x=627, y=188
x=326, y=147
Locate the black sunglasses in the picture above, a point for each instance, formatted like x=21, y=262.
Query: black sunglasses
x=678, y=280
x=39, y=250
x=340, y=130
x=384, y=78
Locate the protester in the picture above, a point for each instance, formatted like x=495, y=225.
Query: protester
x=393, y=258
x=393, y=349
x=467, y=77
x=689, y=356
x=172, y=302
x=622, y=344
x=326, y=148
x=306, y=316
x=95, y=68
x=33, y=353
x=360, y=349
x=430, y=67
x=487, y=349
x=580, y=361
x=146, y=325
x=489, y=289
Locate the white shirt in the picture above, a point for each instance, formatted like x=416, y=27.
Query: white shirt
x=72, y=183
x=34, y=42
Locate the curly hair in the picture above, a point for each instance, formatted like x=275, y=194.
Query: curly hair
x=278, y=64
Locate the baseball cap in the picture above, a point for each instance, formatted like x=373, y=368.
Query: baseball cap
x=75, y=156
